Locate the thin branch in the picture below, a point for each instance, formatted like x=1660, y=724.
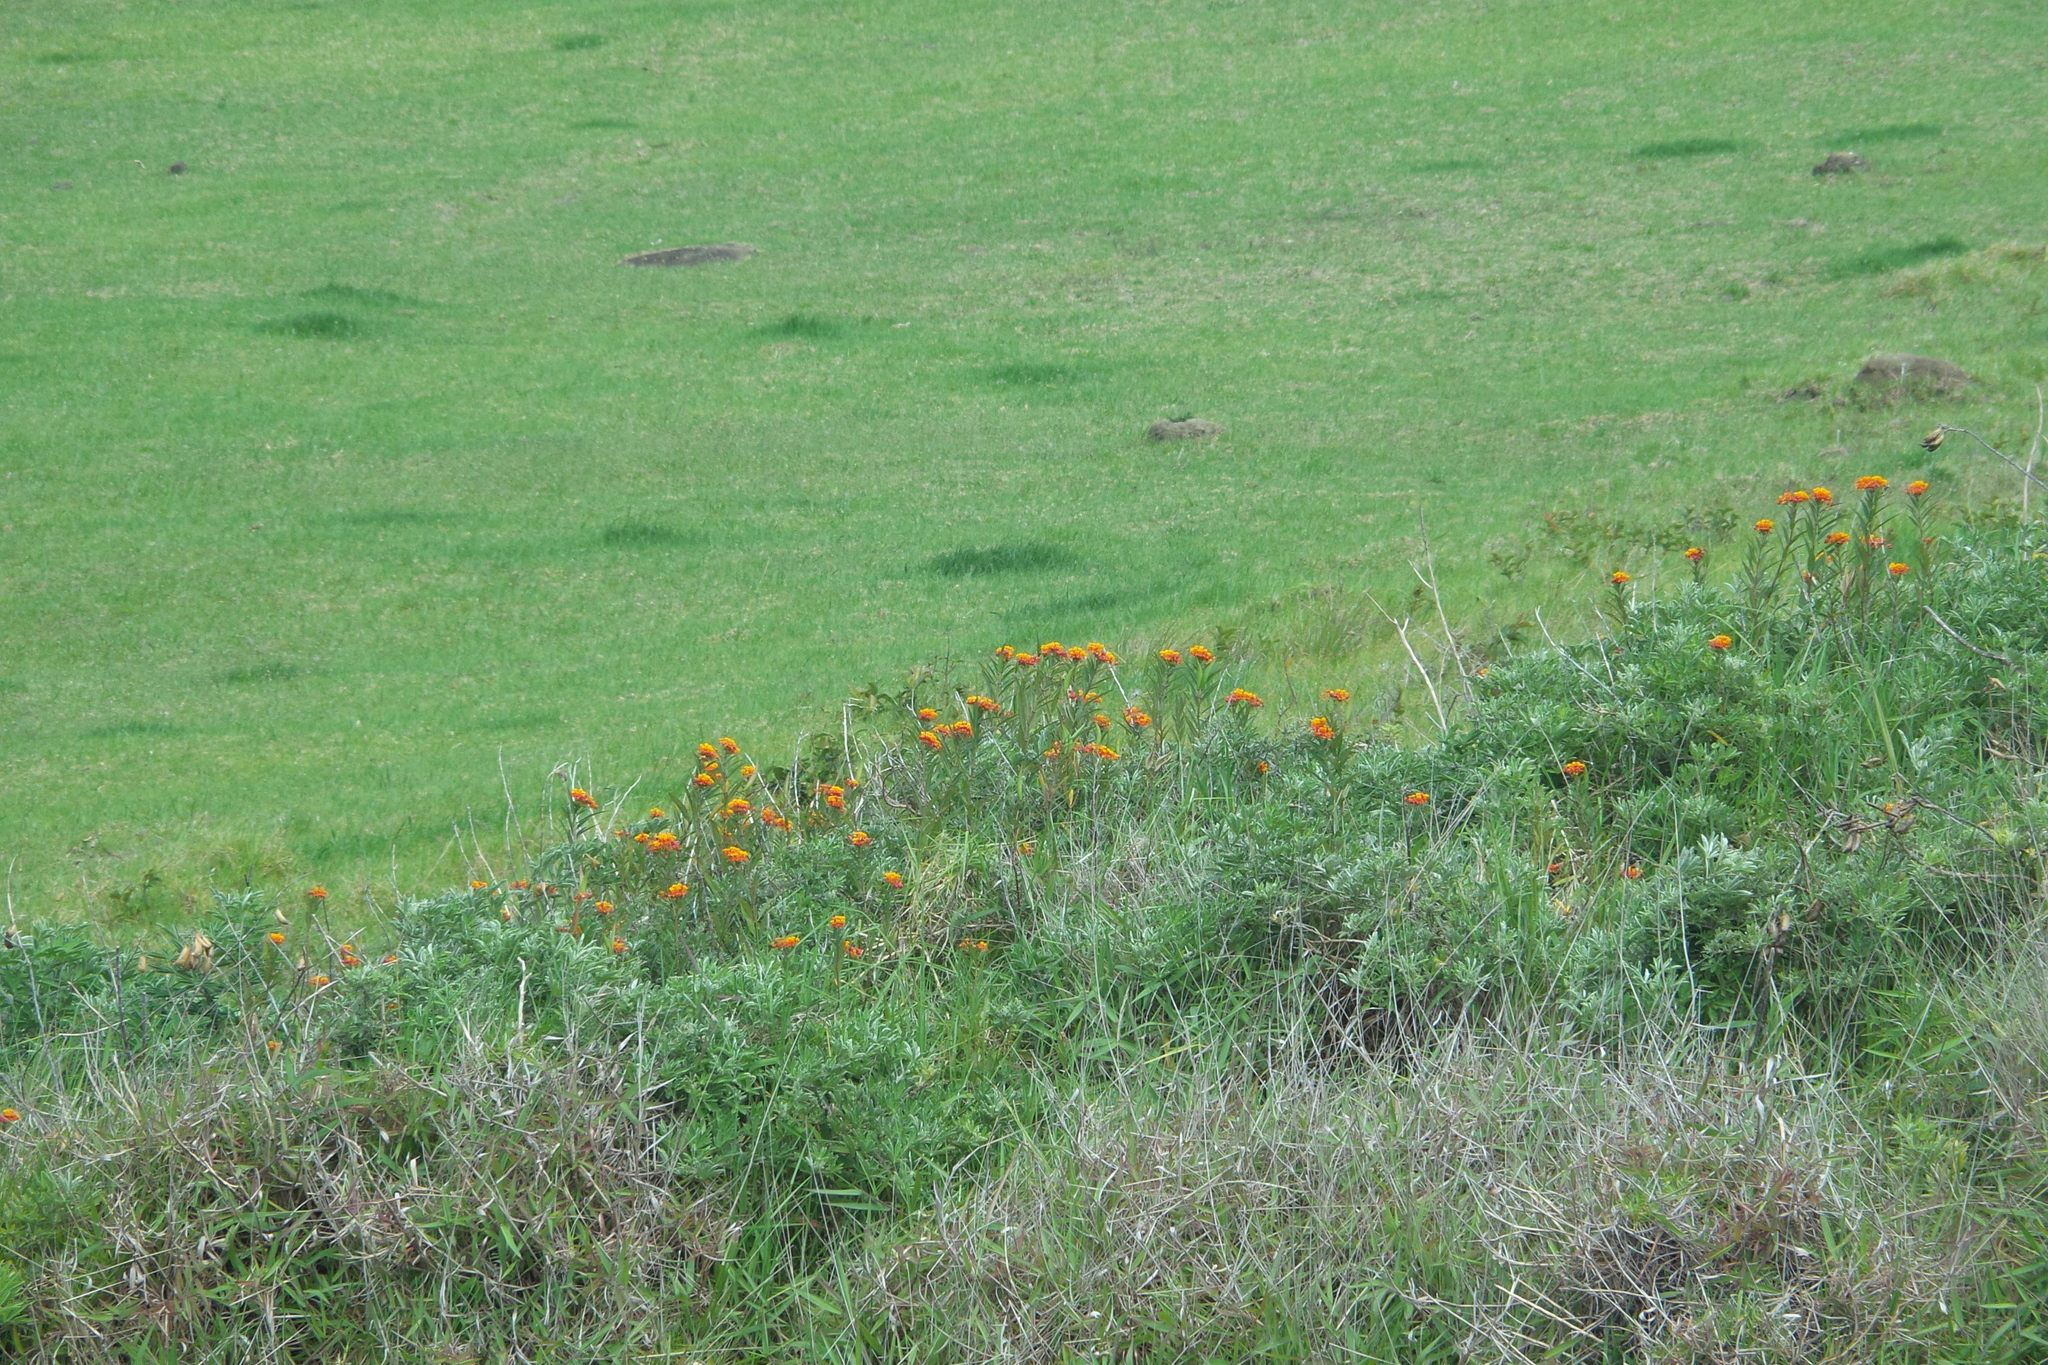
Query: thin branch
x=1953, y=634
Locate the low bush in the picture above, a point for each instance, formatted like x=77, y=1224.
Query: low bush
x=1677, y=999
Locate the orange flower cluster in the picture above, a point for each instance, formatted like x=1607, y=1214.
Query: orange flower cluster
x=14, y=1115
x=738, y=808
x=1620, y=578
x=773, y=818
x=961, y=729
x=664, y=842
x=1101, y=751
x=835, y=797
x=317, y=893
x=837, y=921
x=860, y=838
x=580, y=797
x=1320, y=727
x=1872, y=483
x=618, y=945
x=1765, y=526
x=926, y=714
x=1794, y=498
x=1836, y=538
x=603, y=907
x=1719, y=642
x=1340, y=695
x=676, y=891
x=1695, y=553
x=278, y=939
x=1822, y=496
x=1005, y=653
x=852, y=949
x=929, y=739
x=1240, y=697
x=1898, y=570
x=973, y=945
x=316, y=982
x=983, y=704
x=1916, y=488
x=1101, y=653
x=787, y=941
x=1135, y=718
x=1574, y=769
x=729, y=744
x=1200, y=655
x=1170, y=656
x=734, y=854
x=1026, y=660
x=893, y=878
x=1417, y=798
x=1631, y=872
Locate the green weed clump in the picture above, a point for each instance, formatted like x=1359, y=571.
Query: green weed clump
x=1680, y=999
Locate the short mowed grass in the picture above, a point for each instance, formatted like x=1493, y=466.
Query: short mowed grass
x=348, y=483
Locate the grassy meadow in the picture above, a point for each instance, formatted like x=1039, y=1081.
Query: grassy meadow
x=349, y=483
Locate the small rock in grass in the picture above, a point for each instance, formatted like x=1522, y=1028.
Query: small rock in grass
x=1841, y=163
x=1912, y=371
x=177, y=168
x=1192, y=429
x=693, y=255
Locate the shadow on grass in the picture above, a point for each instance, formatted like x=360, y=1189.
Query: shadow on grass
x=124, y=728
x=579, y=42
x=1686, y=146
x=647, y=535
x=812, y=326
x=321, y=326
x=1887, y=259
x=1012, y=557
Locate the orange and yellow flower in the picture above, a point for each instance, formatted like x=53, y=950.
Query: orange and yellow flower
x=1241, y=697
x=774, y=818
x=837, y=921
x=962, y=729
x=1005, y=653
x=860, y=838
x=1719, y=642
x=1836, y=537
x=603, y=907
x=1916, y=488
x=1872, y=483
x=316, y=982
x=14, y=1115
x=1631, y=872
x=676, y=891
x=786, y=942
x=580, y=797
x=734, y=854
x=1897, y=570
x=1201, y=655
x=835, y=797
x=926, y=715
x=729, y=744
x=618, y=945
x=1052, y=647
x=1765, y=526
x=1320, y=727
x=1574, y=769
x=1026, y=660
x=1340, y=695
x=1417, y=798
x=1794, y=498
x=278, y=939
x=1695, y=553
x=1620, y=578
x=852, y=949
x=1822, y=495
x=893, y=878
x=318, y=893
x=929, y=739
x=1135, y=718
x=707, y=753
x=703, y=779
x=739, y=805
x=1170, y=656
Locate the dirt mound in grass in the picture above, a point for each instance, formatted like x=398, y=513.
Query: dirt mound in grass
x=693, y=255
x=1191, y=429
x=1841, y=163
x=1914, y=372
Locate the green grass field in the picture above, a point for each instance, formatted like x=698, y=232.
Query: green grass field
x=347, y=479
